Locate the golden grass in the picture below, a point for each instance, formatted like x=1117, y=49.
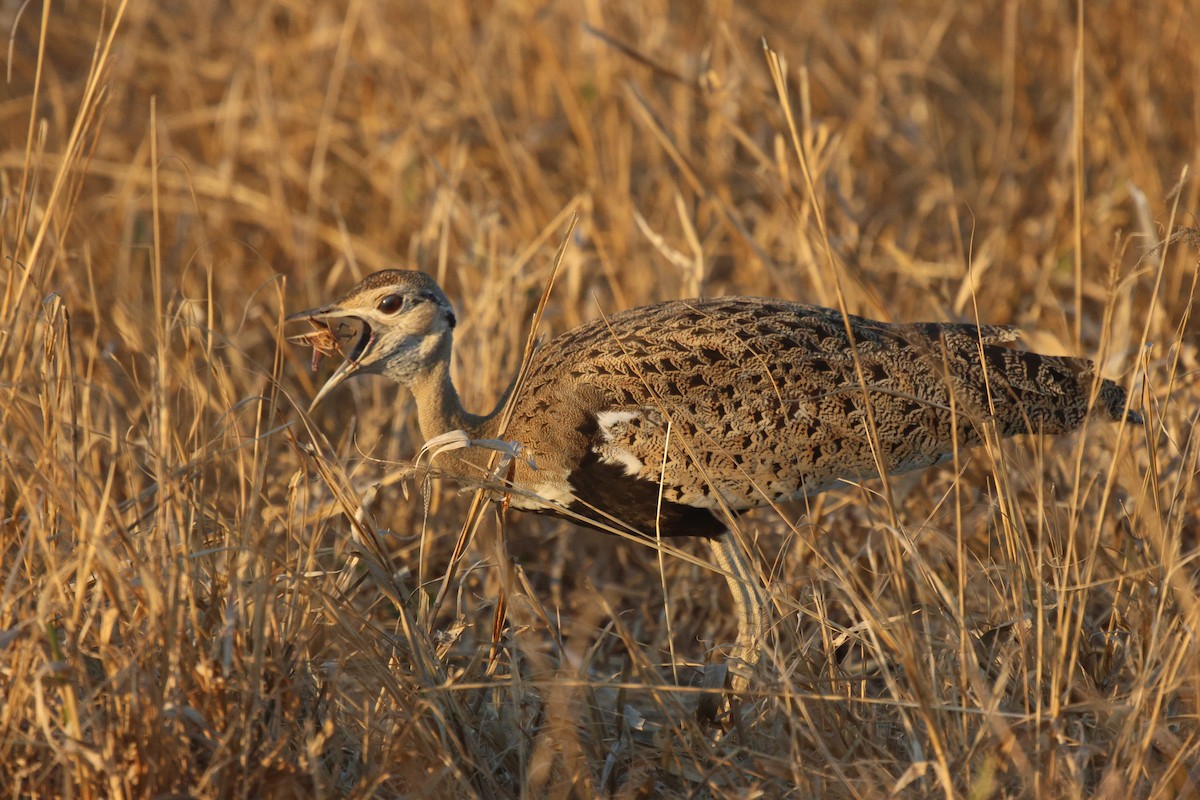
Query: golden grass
x=178, y=616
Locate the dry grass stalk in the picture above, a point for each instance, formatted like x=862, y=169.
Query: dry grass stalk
x=179, y=616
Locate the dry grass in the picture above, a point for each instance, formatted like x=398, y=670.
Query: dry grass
x=178, y=617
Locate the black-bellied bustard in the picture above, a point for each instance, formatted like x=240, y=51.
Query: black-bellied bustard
x=666, y=419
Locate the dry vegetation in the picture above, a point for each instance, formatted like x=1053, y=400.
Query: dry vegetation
x=191, y=603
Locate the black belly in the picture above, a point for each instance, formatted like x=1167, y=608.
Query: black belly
x=633, y=503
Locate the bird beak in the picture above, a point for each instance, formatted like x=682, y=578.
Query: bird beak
x=325, y=339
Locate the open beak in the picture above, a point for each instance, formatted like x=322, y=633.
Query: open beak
x=332, y=329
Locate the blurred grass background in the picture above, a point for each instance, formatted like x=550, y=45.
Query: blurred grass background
x=191, y=600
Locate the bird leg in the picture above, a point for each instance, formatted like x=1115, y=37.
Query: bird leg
x=750, y=605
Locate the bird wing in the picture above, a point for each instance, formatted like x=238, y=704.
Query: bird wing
x=737, y=402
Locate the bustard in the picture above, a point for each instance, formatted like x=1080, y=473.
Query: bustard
x=666, y=419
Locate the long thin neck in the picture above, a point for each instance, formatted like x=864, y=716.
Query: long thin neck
x=439, y=409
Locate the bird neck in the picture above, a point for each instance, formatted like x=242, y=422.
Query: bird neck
x=439, y=408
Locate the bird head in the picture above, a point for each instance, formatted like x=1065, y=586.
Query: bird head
x=400, y=324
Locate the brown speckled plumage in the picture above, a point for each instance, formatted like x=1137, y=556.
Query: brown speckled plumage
x=656, y=417
x=764, y=403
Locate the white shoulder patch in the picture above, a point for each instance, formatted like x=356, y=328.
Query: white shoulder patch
x=607, y=420
x=614, y=426
x=622, y=458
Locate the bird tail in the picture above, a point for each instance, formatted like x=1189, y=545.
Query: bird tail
x=1114, y=402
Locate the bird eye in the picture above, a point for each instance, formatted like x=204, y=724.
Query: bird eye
x=391, y=304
